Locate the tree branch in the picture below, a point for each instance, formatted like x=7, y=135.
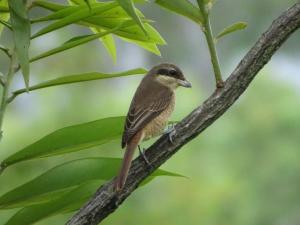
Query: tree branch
x=105, y=201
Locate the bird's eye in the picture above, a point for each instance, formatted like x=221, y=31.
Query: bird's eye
x=172, y=72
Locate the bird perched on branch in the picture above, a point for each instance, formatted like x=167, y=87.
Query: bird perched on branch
x=149, y=111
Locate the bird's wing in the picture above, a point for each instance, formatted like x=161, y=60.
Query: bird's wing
x=144, y=109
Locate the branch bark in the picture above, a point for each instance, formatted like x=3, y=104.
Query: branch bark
x=105, y=201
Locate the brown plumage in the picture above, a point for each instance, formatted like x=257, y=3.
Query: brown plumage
x=149, y=111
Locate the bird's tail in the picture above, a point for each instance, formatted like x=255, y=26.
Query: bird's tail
x=129, y=152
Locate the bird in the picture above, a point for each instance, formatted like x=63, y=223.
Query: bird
x=149, y=111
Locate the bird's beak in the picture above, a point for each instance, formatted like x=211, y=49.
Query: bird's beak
x=184, y=83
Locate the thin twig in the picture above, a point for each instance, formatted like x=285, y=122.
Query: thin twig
x=9, y=76
x=105, y=201
x=211, y=44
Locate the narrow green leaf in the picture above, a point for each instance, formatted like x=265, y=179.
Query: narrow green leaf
x=87, y=2
x=48, y=5
x=71, y=139
x=108, y=40
x=119, y=12
x=182, y=7
x=59, y=14
x=131, y=32
x=66, y=176
x=108, y=20
x=70, y=201
x=4, y=15
x=73, y=43
x=232, y=28
x=63, y=177
x=61, y=11
x=109, y=44
x=78, y=2
x=21, y=28
x=129, y=7
x=151, y=47
x=205, y=5
x=3, y=9
x=75, y=78
x=81, y=13
x=4, y=23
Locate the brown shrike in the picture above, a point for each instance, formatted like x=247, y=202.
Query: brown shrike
x=149, y=111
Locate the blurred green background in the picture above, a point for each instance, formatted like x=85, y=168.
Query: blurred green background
x=243, y=170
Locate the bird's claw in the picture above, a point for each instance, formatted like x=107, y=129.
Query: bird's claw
x=171, y=135
x=142, y=153
x=171, y=132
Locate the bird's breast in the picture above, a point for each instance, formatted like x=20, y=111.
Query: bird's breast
x=157, y=125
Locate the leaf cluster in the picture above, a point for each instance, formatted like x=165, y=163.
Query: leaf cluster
x=66, y=187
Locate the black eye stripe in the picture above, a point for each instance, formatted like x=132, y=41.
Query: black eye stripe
x=163, y=71
x=172, y=72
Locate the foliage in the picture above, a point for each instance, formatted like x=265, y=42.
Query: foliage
x=56, y=190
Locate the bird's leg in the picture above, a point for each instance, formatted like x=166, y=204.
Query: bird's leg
x=142, y=153
x=171, y=132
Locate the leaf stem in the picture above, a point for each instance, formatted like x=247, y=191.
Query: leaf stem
x=2, y=82
x=6, y=24
x=5, y=50
x=211, y=44
x=11, y=71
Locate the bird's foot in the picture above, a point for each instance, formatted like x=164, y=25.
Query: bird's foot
x=142, y=153
x=171, y=131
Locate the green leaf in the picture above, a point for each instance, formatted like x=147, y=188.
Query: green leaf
x=184, y=8
x=151, y=47
x=87, y=2
x=80, y=13
x=110, y=46
x=59, y=13
x=131, y=32
x=60, y=178
x=48, y=5
x=108, y=42
x=3, y=16
x=108, y=20
x=70, y=79
x=78, y=2
x=73, y=43
x=129, y=7
x=4, y=23
x=71, y=139
x=64, y=177
x=232, y=28
x=205, y=5
x=21, y=28
x=70, y=201
x=4, y=9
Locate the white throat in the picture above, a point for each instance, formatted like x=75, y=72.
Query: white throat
x=167, y=81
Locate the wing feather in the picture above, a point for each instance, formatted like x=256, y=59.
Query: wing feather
x=144, y=108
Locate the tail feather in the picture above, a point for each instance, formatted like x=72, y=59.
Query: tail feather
x=126, y=163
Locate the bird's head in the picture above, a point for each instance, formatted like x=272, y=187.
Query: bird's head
x=169, y=75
